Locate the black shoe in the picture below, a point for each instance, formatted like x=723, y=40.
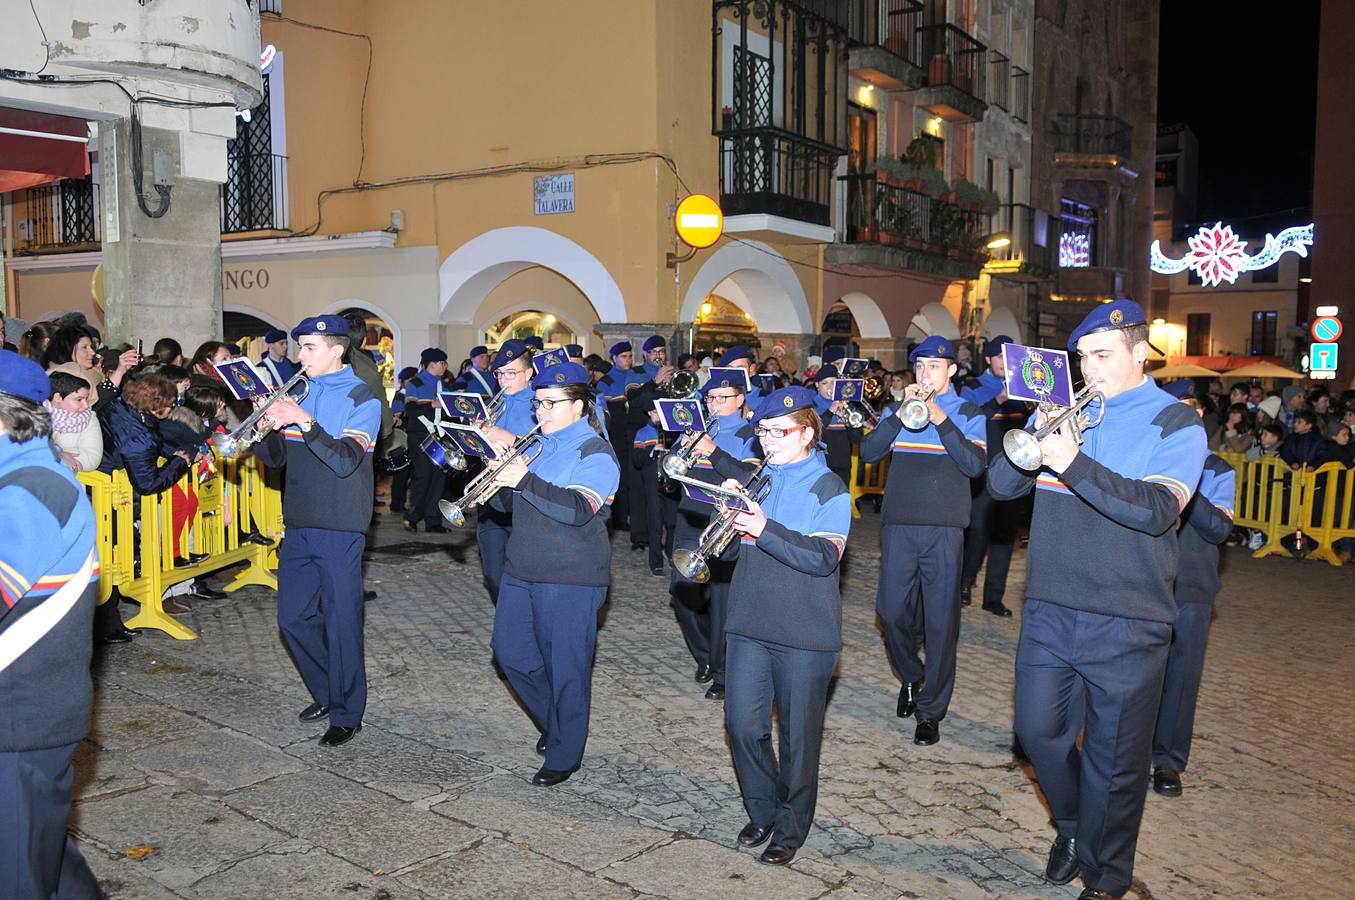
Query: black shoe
x=368, y=596
x=254, y=537
x=658, y=572
x=967, y=595
x=108, y=627
x=703, y=674
x=541, y=746
x=998, y=609
x=715, y=692
x=203, y=591
x=776, y=855
x=192, y=559
x=409, y=526
x=339, y=734
x=551, y=777
x=1166, y=782
x=1063, y=865
x=1092, y=894
x=313, y=713
x=928, y=732
x=752, y=835
x=907, y=705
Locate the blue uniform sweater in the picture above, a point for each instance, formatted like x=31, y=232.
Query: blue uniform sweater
x=46, y=694
x=1206, y=523
x=928, y=481
x=1102, y=537
x=1003, y=417
x=785, y=586
x=329, y=468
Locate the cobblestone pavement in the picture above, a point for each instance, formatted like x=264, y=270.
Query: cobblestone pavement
x=197, y=753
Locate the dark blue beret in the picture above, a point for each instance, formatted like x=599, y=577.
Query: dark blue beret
x=508, y=351
x=993, y=346
x=21, y=377
x=619, y=347
x=734, y=354
x=1111, y=316
x=432, y=355
x=654, y=342
x=273, y=335
x=785, y=400
x=933, y=347
x=330, y=325
x=560, y=376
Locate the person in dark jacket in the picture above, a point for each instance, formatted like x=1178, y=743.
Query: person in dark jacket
x=1302, y=447
x=132, y=437
x=785, y=625
x=838, y=436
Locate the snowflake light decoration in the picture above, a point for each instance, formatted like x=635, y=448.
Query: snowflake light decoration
x=1217, y=255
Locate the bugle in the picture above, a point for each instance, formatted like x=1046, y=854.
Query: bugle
x=1023, y=447
x=683, y=385
x=256, y=427
x=679, y=461
x=482, y=487
x=914, y=413
x=694, y=565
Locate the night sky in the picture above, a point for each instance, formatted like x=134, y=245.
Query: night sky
x=1244, y=78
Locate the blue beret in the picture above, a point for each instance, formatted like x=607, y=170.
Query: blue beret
x=654, y=342
x=828, y=371
x=432, y=355
x=934, y=347
x=508, y=351
x=1180, y=389
x=330, y=325
x=1110, y=316
x=993, y=346
x=784, y=400
x=573, y=351
x=735, y=353
x=273, y=335
x=21, y=377
x=406, y=373
x=477, y=350
x=560, y=376
x=619, y=347
x=833, y=354
x=535, y=343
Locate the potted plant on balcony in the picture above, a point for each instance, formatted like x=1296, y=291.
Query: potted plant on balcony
x=974, y=198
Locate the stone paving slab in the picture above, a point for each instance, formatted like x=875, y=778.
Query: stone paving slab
x=214, y=762
x=496, y=868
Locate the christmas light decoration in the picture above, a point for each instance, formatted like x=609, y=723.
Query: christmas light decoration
x=1217, y=255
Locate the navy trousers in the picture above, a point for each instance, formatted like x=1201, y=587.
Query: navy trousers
x=1181, y=687
x=1101, y=675
x=544, y=637
x=492, y=530
x=37, y=859
x=425, y=489
x=701, y=611
x=992, y=532
x=919, y=604
x=320, y=615
x=778, y=789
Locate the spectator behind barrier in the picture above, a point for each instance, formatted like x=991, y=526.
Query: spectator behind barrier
x=131, y=433
x=1237, y=434
x=1339, y=447
x=167, y=350
x=1269, y=439
x=72, y=349
x=75, y=427
x=33, y=343
x=1302, y=448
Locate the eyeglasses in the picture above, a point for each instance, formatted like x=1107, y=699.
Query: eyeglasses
x=721, y=398
x=549, y=403
x=776, y=432
x=509, y=373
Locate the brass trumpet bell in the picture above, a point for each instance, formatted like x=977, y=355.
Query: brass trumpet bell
x=1023, y=447
x=690, y=565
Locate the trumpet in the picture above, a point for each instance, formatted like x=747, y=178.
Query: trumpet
x=873, y=388
x=256, y=427
x=914, y=413
x=858, y=416
x=482, y=486
x=693, y=565
x=679, y=461
x=1023, y=447
x=683, y=385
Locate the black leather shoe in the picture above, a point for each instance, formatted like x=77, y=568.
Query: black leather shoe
x=338, y=734
x=541, y=746
x=368, y=596
x=181, y=562
x=908, y=692
x=1092, y=894
x=928, y=732
x=1063, y=865
x=998, y=609
x=703, y=674
x=551, y=777
x=1166, y=782
x=752, y=835
x=776, y=855
x=203, y=591
x=254, y=537
x=715, y=692
x=966, y=595
x=658, y=572
x=313, y=713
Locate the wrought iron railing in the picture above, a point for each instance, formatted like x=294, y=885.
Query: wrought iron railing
x=952, y=57
x=1092, y=134
x=270, y=6
x=1020, y=108
x=999, y=80
x=768, y=170
x=891, y=24
x=59, y=214
x=254, y=196
x=885, y=213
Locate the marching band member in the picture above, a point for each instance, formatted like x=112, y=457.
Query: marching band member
x=701, y=609
x=741, y=357
x=614, y=389
x=657, y=375
x=325, y=441
x=1097, y=621
x=557, y=570
x=278, y=369
x=838, y=436
x=926, y=509
x=785, y=626
x=428, y=479
x=493, y=527
x=644, y=462
x=478, y=379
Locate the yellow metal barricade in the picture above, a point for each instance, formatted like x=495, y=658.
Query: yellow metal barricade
x=137, y=558
x=867, y=479
x=1330, y=509
x=1277, y=501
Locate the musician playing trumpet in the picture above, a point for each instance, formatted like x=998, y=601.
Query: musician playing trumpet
x=557, y=567
x=784, y=630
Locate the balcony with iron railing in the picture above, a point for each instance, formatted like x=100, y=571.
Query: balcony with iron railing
x=254, y=197
x=65, y=215
x=775, y=172
x=890, y=226
x=999, y=80
x=1033, y=253
x=1092, y=135
x=953, y=64
x=885, y=45
x=1020, y=98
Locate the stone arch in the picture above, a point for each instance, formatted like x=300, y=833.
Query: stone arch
x=870, y=319
x=397, y=336
x=767, y=288
x=469, y=274
x=262, y=315
x=579, y=328
x=933, y=318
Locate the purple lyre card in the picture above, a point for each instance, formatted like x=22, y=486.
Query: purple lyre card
x=462, y=405
x=848, y=390
x=730, y=376
x=471, y=440
x=543, y=361
x=851, y=367
x=243, y=378
x=713, y=495
x=680, y=415
x=1038, y=374
x=765, y=382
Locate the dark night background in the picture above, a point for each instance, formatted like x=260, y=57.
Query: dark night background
x=1245, y=80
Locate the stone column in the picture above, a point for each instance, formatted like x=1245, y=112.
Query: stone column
x=162, y=277
x=637, y=332
x=891, y=352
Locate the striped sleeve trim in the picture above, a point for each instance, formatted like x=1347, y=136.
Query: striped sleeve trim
x=593, y=497
x=364, y=440
x=837, y=540
x=1175, y=485
x=12, y=584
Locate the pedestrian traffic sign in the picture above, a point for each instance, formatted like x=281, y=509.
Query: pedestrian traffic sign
x=1326, y=329
x=1322, y=358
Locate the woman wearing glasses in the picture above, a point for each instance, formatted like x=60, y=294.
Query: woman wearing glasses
x=785, y=625
x=557, y=568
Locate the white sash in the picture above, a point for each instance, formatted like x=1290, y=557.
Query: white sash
x=23, y=634
x=481, y=378
x=278, y=380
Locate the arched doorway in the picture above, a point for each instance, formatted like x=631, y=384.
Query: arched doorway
x=245, y=326
x=382, y=338
x=759, y=280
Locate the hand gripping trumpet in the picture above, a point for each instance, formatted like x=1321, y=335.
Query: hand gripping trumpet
x=256, y=427
x=482, y=486
x=1023, y=447
x=692, y=564
x=914, y=412
x=679, y=461
x=860, y=415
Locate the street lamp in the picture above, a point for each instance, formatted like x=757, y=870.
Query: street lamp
x=998, y=239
